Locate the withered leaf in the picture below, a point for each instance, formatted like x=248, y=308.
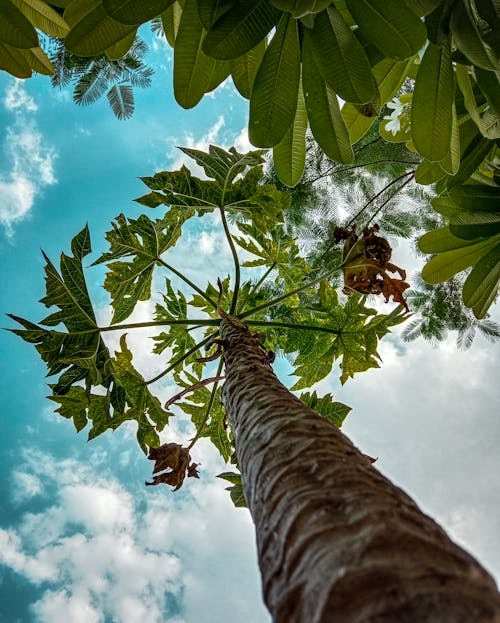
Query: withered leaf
x=395, y=288
x=173, y=461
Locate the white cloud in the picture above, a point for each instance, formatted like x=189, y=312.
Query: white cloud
x=29, y=162
x=97, y=553
x=16, y=97
x=26, y=486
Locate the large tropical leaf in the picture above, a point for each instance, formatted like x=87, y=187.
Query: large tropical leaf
x=240, y=29
x=15, y=28
x=341, y=58
x=274, y=95
x=326, y=121
x=389, y=76
x=134, y=13
x=432, y=104
x=144, y=241
x=474, y=36
x=43, y=17
x=481, y=286
x=244, y=69
x=449, y=263
x=14, y=61
x=95, y=33
x=392, y=26
x=289, y=155
x=195, y=73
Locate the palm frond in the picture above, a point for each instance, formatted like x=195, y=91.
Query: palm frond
x=121, y=100
x=489, y=328
x=91, y=86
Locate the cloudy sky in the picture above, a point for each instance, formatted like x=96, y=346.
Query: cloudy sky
x=81, y=538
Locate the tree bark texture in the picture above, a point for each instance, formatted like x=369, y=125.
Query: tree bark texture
x=337, y=541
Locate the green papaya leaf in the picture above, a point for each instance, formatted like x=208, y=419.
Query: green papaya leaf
x=194, y=72
x=178, y=337
x=334, y=412
x=133, y=13
x=212, y=425
x=43, y=17
x=341, y=59
x=245, y=67
x=390, y=25
x=95, y=33
x=274, y=95
x=142, y=405
x=432, y=105
x=481, y=286
x=181, y=191
x=15, y=28
x=240, y=29
x=143, y=240
x=236, y=490
x=223, y=166
x=289, y=155
x=326, y=121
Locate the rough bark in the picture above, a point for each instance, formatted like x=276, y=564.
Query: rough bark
x=337, y=542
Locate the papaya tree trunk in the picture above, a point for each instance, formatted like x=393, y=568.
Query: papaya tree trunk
x=337, y=542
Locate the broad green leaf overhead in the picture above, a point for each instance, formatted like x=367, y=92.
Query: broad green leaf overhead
x=244, y=69
x=43, y=17
x=392, y=26
x=326, y=121
x=432, y=105
x=95, y=33
x=276, y=86
x=240, y=29
x=289, y=154
x=133, y=13
x=341, y=58
x=16, y=29
x=195, y=73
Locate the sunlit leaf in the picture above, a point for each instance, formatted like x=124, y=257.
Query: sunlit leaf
x=326, y=406
x=275, y=90
x=240, y=29
x=341, y=58
x=432, y=104
x=142, y=241
x=133, y=13
x=289, y=155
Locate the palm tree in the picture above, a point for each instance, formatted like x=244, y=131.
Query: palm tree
x=93, y=77
x=438, y=309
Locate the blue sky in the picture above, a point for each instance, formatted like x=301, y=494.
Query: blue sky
x=81, y=539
